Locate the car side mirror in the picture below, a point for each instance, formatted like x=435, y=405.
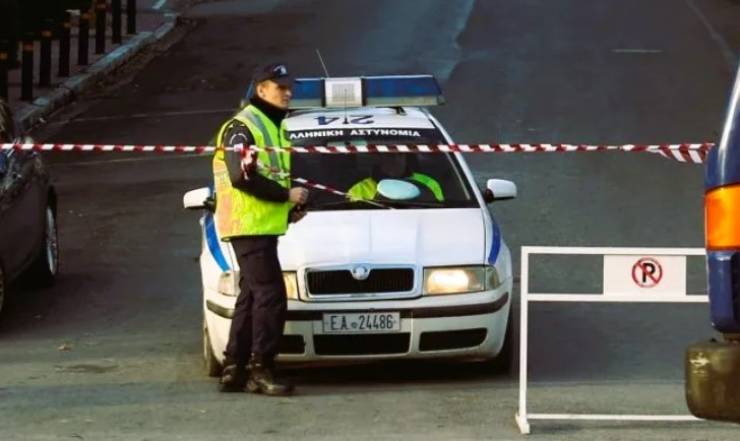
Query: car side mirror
x=499, y=190
x=199, y=199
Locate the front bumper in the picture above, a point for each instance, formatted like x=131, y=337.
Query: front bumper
x=468, y=325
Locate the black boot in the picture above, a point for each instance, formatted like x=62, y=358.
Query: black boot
x=233, y=377
x=262, y=378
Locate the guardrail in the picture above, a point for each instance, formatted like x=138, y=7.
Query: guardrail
x=52, y=25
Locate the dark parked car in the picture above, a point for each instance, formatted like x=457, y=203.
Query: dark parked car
x=28, y=231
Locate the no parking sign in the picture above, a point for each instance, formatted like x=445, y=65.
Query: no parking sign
x=634, y=274
x=647, y=272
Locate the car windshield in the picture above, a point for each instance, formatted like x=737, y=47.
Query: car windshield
x=382, y=180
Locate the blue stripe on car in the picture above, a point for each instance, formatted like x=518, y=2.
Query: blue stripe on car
x=213, y=243
x=495, y=243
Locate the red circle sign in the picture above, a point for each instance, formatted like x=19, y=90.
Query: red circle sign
x=647, y=272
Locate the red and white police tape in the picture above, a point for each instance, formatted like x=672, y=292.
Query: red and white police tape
x=680, y=152
x=327, y=189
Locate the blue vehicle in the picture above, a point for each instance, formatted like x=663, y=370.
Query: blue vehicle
x=713, y=368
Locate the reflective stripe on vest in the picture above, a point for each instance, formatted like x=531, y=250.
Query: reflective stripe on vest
x=275, y=162
x=238, y=213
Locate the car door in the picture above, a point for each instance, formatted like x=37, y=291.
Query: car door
x=20, y=217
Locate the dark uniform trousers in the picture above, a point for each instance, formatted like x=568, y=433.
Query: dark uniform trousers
x=259, y=315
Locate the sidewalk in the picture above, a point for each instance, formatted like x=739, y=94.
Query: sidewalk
x=151, y=26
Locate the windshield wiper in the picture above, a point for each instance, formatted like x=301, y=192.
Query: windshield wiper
x=387, y=204
x=349, y=203
x=414, y=204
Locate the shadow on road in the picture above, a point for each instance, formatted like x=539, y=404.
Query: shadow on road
x=397, y=373
x=27, y=308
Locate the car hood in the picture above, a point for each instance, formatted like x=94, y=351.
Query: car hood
x=426, y=237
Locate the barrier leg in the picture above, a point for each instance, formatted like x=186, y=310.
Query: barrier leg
x=45, y=55
x=521, y=415
x=64, y=38
x=131, y=17
x=83, y=38
x=100, y=25
x=27, y=69
x=116, y=13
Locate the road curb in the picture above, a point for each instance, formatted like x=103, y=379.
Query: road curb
x=68, y=91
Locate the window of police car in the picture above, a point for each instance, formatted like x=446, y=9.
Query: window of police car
x=343, y=171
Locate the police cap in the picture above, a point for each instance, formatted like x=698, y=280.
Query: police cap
x=276, y=72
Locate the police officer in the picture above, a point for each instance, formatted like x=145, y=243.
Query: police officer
x=254, y=203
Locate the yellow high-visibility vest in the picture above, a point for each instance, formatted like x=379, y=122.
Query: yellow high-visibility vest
x=237, y=212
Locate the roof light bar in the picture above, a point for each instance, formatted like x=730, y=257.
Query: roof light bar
x=378, y=91
x=343, y=92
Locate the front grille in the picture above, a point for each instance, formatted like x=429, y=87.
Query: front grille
x=369, y=344
x=292, y=344
x=437, y=341
x=379, y=280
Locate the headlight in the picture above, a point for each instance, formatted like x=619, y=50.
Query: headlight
x=291, y=285
x=439, y=281
x=228, y=284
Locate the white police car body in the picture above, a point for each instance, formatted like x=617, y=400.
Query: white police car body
x=426, y=277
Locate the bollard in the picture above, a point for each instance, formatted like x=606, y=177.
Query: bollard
x=100, y=24
x=64, y=37
x=4, y=46
x=27, y=69
x=83, y=38
x=45, y=55
x=130, y=17
x=116, y=21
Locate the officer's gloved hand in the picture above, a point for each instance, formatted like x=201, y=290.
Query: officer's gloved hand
x=297, y=213
x=298, y=195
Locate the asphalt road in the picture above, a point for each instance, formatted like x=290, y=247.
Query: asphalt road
x=113, y=351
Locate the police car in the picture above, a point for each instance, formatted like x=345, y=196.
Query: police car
x=419, y=270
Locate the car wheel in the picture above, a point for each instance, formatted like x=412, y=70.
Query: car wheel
x=213, y=367
x=44, y=269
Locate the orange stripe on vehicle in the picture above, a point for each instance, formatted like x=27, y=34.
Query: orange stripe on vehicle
x=722, y=218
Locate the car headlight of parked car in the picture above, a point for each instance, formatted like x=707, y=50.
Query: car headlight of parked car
x=228, y=284
x=460, y=280
x=291, y=284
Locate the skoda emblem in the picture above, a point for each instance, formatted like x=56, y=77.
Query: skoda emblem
x=360, y=272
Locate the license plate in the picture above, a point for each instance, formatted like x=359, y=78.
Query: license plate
x=366, y=322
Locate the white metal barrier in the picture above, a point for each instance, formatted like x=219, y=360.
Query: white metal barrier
x=648, y=275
